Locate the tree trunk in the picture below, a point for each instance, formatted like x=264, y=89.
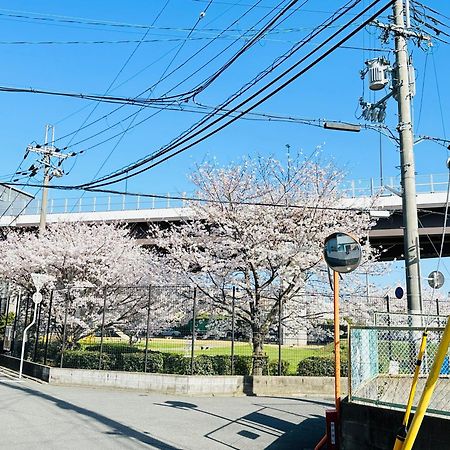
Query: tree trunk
x=258, y=355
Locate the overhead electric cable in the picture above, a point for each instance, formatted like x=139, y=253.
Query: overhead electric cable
x=160, y=79
x=124, y=65
x=131, y=126
x=261, y=75
x=200, y=51
x=101, y=182
x=113, y=81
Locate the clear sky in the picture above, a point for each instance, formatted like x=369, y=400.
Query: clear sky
x=331, y=90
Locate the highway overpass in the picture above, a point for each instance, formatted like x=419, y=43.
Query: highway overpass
x=139, y=212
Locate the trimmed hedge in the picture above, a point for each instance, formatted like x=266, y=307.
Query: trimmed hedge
x=170, y=363
x=176, y=364
x=112, y=348
x=135, y=362
x=320, y=366
x=79, y=359
x=273, y=368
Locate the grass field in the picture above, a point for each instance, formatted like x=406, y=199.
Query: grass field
x=291, y=354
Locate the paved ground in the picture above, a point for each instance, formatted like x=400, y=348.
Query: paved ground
x=41, y=416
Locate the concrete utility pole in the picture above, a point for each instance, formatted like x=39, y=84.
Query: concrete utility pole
x=405, y=129
x=48, y=152
x=47, y=160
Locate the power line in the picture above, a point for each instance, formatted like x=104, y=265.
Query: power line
x=202, y=49
x=101, y=182
x=116, y=77
x=133, y=115
x=268, y=70
x=154, y=86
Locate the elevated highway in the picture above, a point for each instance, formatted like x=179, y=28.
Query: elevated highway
x=139, y=212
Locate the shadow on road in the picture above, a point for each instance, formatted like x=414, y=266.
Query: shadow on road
x=117, y=428
x=304, y=435
x=304, y=431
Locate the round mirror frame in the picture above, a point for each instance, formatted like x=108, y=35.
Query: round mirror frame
x=348, y=252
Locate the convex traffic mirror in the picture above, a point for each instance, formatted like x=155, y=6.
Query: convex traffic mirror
x=342, y=252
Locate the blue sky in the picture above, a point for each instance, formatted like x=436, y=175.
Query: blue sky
x=331, y=90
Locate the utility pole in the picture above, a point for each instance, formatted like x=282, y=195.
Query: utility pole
x=48, y=151
x=402, y=89
x=405, y=130
x=43, y=216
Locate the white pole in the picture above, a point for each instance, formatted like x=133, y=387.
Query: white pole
x=25, y=339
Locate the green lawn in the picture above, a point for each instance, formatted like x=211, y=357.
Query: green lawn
x=292, y=354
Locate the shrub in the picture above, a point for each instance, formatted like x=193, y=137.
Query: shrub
x=111, y=348
x=53, y=352
x=79, y=359
x=272, y=368
x=176, y=364
x=135, y=362
x=203, y=365
x=155, y=362
x=243, y=365
x=172, y=363
x=221, y=364
x=320, y=366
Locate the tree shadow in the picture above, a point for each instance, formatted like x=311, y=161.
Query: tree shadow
x=117, y=428
x=306, y=434
x=288, y=435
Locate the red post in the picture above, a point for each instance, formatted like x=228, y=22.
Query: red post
x=332, y=420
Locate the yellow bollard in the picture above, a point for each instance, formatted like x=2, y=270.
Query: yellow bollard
x=428, y=389
x=401, y=434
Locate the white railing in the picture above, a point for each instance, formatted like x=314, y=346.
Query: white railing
x=102, y=203
x=370, y=187
x=352, y=189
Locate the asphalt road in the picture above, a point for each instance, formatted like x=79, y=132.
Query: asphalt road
x=41, y=416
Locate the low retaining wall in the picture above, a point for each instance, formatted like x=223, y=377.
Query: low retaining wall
x=179, y=384
x=163, y=383
x=31, y=369
x=323, y=386
x=196, y=384
x=373, y=427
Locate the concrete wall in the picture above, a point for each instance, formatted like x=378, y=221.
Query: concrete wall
x=323, y=386
x=163, y=383
x=31, y=369
x=198, y=385
x=370, y=427
x=180, y=384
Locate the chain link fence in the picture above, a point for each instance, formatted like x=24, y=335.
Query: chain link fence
x=408, y=320
x=164, y=329
x=174, y=329
x=382, y=360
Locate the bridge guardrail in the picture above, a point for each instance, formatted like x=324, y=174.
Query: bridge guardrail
x=122, y=202
x=370, y=187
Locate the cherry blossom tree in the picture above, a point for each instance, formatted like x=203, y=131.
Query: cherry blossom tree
x=90, y=264
x=260, y=227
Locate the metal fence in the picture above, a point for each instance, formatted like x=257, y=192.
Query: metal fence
x=14, y=203
x=382, y=361
x=389, y=319
x=170, y=329
x=428, y=183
